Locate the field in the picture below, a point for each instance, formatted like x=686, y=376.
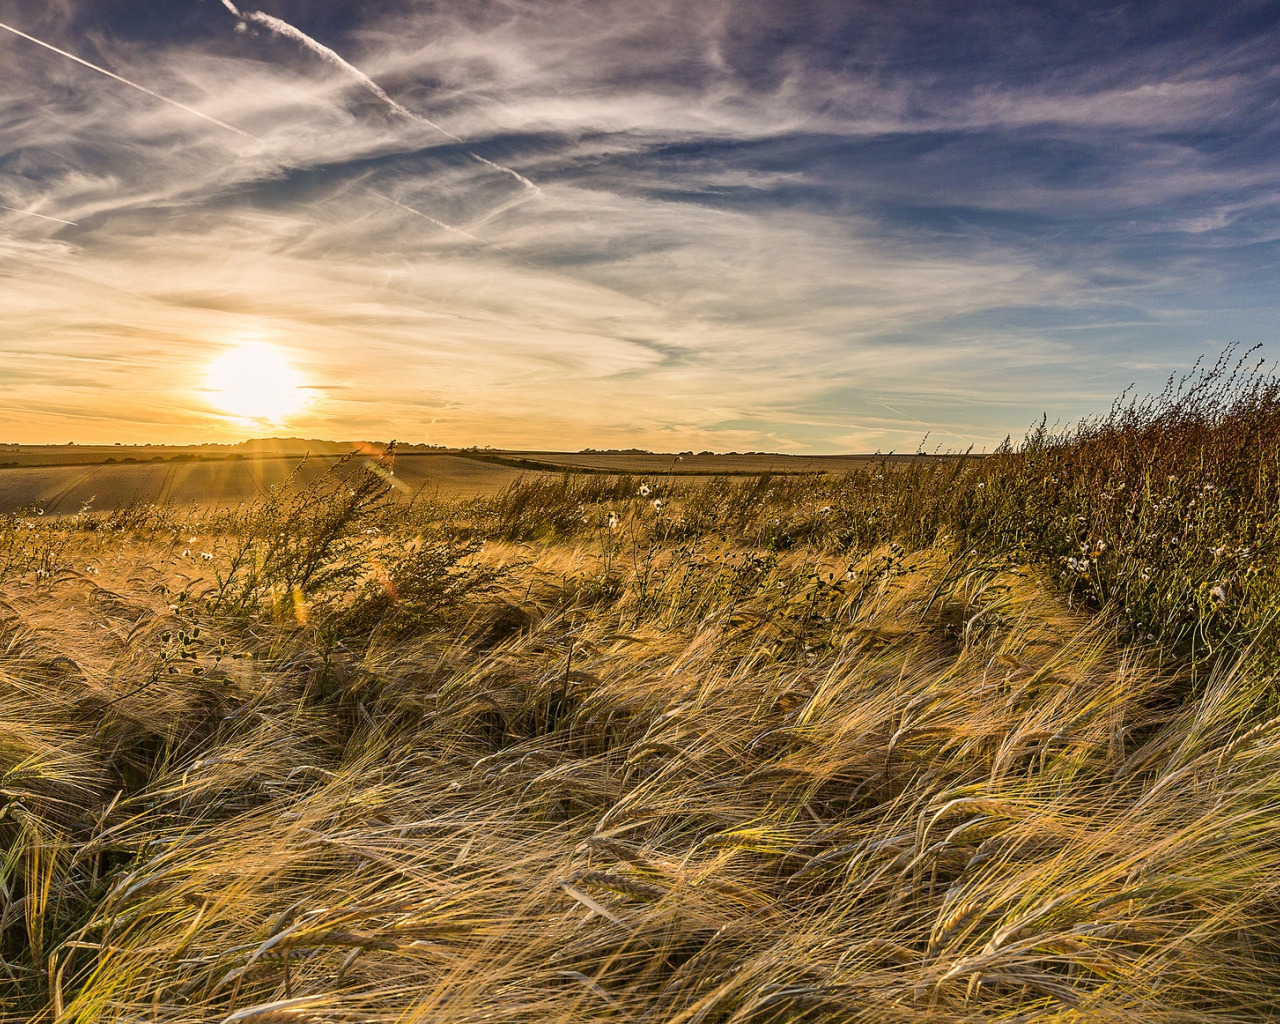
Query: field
x=915, y=740
x=62, y=479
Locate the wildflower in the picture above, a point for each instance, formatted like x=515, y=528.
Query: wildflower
x=1218, y=594
x=207, y=556
x=657, y=504
x=981, y=486
x=613, y=520
x=645, y=490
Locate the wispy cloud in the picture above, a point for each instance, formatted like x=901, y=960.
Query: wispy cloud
x=745, y=232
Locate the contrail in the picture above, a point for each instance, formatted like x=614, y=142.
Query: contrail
x=440, y=223
x=424, y=216
x=30, y=213
x=334, y=58
x=506, y=170
x=293, y=33
x=132, y=85
x=337, y=60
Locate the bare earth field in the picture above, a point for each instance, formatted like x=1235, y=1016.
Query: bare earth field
x=60, y=479
x=62, y=489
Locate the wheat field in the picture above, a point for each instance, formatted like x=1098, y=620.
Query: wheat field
x=969, y=740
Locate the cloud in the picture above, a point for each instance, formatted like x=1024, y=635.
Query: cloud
x=745, y=228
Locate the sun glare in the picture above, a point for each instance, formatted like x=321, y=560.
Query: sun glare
x=254, y=381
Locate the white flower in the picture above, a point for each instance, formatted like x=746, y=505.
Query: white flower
x=207, y=556
x=1218, y=594
x=613, y=520
x=657, y=504
x=645, y=490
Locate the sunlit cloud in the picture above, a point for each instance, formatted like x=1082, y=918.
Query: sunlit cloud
x=661, y=225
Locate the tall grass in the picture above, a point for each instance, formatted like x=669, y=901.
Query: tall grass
x=859, y=749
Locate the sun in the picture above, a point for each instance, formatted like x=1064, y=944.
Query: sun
x=254, y=381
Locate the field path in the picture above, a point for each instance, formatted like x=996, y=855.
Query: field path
x=53, y=503
x=166, y=485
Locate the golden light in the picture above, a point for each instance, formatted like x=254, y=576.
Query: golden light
x=254, y=381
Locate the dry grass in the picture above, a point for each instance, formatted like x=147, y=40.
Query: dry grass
x=744, y=757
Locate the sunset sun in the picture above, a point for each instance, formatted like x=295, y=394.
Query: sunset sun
x=254, y=381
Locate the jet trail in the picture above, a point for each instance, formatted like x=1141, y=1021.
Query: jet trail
x=285, y=29
x=438, y=223
x=333, y=57
x=30, y=213
x=132, y=85
x=442, y=224
x=337, y=60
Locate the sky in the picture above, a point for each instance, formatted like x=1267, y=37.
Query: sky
x=801, y=226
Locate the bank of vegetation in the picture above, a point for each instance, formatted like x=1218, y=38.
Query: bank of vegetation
x=953, y=741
